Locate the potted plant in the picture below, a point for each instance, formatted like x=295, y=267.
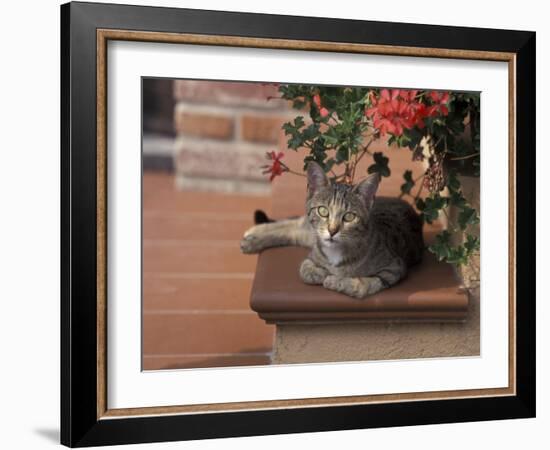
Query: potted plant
x=439, y=128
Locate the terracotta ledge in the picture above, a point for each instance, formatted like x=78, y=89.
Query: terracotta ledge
x=431, y=293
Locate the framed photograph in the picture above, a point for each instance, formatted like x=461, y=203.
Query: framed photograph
x=277, y=224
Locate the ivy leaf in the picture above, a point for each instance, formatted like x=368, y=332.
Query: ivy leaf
x=467, y=216
x=436, y=202
x=430, y=214
x=380, y=165
x=409, y=182
x=471, y=244
x=441, y=248
x=432, y=207
x=457, y=255
x=453, y=182
x=457, y=199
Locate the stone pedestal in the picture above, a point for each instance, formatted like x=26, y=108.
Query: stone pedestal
x=370, y=340
x=426, y=315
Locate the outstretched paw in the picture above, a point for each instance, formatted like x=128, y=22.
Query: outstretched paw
x=250, y=245
x=252, y=241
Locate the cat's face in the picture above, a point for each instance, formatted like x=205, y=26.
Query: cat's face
x=338, y=213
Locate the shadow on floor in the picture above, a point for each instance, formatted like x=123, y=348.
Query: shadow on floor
x=50, y=434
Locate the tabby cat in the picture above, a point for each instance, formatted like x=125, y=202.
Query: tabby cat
x=359, y=245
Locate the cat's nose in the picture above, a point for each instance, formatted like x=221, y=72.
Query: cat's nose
x=333, y=229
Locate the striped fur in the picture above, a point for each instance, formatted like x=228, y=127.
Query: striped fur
x=357, y=257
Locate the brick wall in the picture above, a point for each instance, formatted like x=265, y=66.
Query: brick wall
x=223, y=131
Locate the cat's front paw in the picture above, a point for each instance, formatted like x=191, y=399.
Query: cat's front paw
x=334, y=283
x=310, y=273
x=349, y=286
x=252, y=240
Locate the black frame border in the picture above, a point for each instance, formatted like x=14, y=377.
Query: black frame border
x=79, y=423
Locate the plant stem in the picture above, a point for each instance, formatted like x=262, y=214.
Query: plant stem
x=287, y=169
x=416, y=197
x=450, y=224
x=458, y=158
x=364, y=151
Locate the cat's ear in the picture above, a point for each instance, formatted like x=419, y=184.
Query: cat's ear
x=367, y=188
x=316, y=178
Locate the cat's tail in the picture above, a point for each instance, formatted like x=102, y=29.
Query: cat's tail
x=261, y=217
x=268, y=233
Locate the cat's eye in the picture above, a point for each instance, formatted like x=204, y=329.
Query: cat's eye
x=322, y=211
x=349, y=217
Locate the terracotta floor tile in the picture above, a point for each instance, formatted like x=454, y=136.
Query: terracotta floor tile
x=181, y=293
x=192, y=263
x=202, y=226
x=205, y=333
x=175, y=256
x=203, y=361
x=160, y=194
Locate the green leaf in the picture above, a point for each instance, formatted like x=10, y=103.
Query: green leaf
x=380, y=165
x=436, y=202
x=457, y=255
x=467, y=216
x=457, y=199
x=409, y=182
x=342, y=154
x=329, y=163
x=298, y=103
x=453, y=183
x=310, y=132
x=414, y=136
x=441, y=248
x=432, y=207
x=471, y=244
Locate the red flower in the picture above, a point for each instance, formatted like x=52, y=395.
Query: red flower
x=277, y=167
x=439, y=106
x=399, y=109
x=323, y=112
x=439, y=97
x=395, y=111
x=317, y=100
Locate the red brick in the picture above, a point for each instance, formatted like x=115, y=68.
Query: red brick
x=264, y=129
x=228, y=93
x=221, y=160
x=204, y=125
